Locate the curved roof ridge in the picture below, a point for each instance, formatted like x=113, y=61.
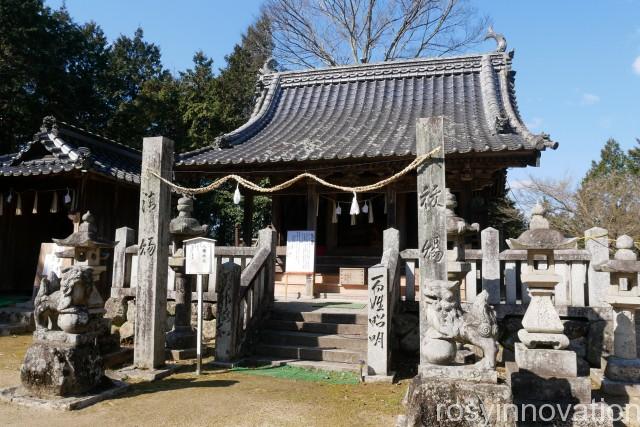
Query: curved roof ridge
x=256, y=120
x=507, y=92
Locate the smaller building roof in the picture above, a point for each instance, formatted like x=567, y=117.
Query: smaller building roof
x=60, y=148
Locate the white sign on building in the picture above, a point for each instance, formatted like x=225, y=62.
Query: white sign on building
x=301, y=249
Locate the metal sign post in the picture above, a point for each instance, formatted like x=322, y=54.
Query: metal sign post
x=199, y=259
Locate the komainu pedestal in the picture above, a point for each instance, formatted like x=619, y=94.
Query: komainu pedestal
x=64, y=359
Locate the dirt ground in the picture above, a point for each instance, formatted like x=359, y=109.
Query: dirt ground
x=216, y=398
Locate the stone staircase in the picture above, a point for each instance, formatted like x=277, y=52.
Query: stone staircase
x=323, y=339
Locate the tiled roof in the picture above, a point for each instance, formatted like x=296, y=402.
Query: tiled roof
x=60, y=147
x=370, y=110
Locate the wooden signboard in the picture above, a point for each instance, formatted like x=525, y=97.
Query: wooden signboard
x=352, y=276
x=301, y=248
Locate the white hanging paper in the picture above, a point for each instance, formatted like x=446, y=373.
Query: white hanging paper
x=355, y=208
x=334, y=216
x=370, y=212
x=236, y=195
x=54, y=203
x=67, y=198
x=35, y=204
x=365, y=207
x=19, y=205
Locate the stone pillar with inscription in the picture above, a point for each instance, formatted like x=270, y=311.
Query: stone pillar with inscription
x=153, y=253
x=432, y=232
x=443, y=324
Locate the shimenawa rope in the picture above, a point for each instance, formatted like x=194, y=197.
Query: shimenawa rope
x=259, y=189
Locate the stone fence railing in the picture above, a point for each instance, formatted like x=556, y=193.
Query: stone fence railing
x=498, y=272
x=125, y=273
x=245, y=297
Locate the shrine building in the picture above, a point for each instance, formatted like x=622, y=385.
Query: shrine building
x=355, y=125
x=62, y=172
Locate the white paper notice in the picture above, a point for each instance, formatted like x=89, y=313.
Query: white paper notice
x=301, y=248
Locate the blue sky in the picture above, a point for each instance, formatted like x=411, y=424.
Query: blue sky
x=574, y=60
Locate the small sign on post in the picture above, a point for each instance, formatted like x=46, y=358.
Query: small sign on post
x=199, y=260
x=301, y=250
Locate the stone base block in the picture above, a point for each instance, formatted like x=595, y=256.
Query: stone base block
x=620, y=388
x=438, y=402
x=53, y=369
x=529, y=387
x=133, y=373
x=540, y=339
x=625, y=370
x=388, y=379
x=546, y=362
x=470, y=373
x=179, y=339
x=107, y=390
x=122, y=356
x=187, y=353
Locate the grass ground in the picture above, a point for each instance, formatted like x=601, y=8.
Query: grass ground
x=217, y=398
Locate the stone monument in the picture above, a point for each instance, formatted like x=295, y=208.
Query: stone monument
x=622, y=372
x=182, y=227
x=542, y=361
x=442, y=381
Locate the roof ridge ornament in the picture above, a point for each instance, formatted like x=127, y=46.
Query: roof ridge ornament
x=499, y=38
x=49, y=125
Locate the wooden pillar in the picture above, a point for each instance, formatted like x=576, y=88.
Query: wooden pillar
x=432, y=233
x=390, y=200
x=247, y=219
x=312, y=206
x=276, y=216
x=332, y=229
x=401, y=218
x=153, y=254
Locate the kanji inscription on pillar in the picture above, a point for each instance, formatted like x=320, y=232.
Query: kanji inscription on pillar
x=432, y=234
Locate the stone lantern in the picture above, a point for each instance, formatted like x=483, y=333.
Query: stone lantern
x=86, y=247
x=542, y=360
x=622, y=371
x=181, y=228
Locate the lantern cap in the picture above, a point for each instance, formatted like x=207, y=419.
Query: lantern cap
x=86, y=236
x=540, y=235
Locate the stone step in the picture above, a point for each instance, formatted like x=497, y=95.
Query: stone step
x=320, y=317
x=310, y=353
x=309, y=339
x=359, y=331
x=320, y=365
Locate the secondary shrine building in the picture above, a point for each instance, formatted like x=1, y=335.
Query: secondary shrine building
x=61, y=173
x=355, y=125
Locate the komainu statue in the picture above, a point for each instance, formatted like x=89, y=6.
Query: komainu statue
x=448, y=324
x=64, y=359
x=61, y=303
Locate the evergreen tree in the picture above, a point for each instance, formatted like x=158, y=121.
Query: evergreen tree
x=612, y=160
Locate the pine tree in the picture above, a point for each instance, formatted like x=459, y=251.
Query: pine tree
x=612, y=160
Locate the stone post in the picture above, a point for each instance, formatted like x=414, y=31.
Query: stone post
x=432, y=234
x=622, y=372
x=153, y=254
x=491, y=264
x=125, y=237
x=227, y=287
x=597, y=243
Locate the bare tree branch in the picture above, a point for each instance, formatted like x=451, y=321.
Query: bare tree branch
x=335, y=32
